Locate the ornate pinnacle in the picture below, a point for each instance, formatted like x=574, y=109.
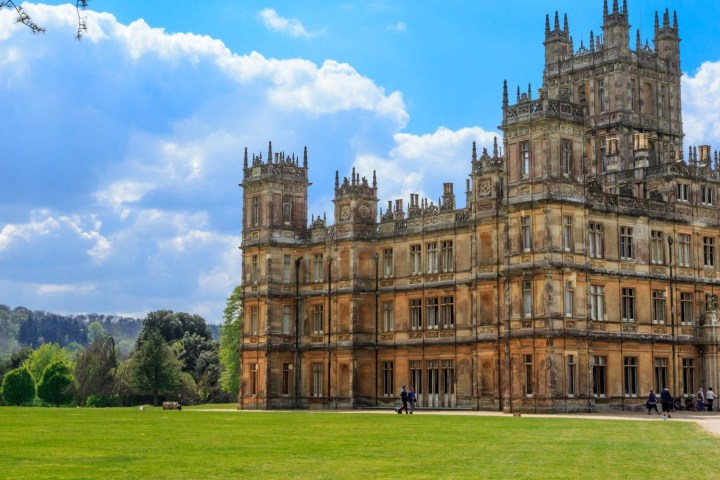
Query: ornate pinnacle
x=245, y=161
x=615, y=7
x=337, y=180
x=505, y=93
x=474, y=153
x=675, y=22
x=657, y=22
x=592, y=41
x=565, y=25
x=547, y=25
x=495, y=147
x=605, y=8
x=666, y=18
x=557, y=21
x=638, y=42
x=625, y=9
x=374, y=179
x=269, y=159
x=353, y=176
x=529, y=92
x=305, y=163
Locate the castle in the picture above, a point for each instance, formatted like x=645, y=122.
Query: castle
x=581, y=272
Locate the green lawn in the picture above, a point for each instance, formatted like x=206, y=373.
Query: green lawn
x=155, y=444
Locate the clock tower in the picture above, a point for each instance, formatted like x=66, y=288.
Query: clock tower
x=355, y=206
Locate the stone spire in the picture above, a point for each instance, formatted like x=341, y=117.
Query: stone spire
x=269, y=159
x=245, y=160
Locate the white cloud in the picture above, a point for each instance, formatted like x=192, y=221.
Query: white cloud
x=701, y=105
x=50, y=289
x=288, y=26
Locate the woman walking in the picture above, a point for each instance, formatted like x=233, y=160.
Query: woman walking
x=652, y=403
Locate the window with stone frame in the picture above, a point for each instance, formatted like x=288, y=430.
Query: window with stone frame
x=626, y=243
x=571, y=376
x=431, y=257
x=601, y=95
x=658, y=307
x=317, y=379
x=661, y=373
x=286, y=311
x=253, y=379
x=524, y=159
x=416, y=314
x=416, y=260
x=709, y=252
x=569, y=299
x=628, y=304
x=255, y=211
x=318, y=268
x=597, y=302
x=630, y=376
x=525, y=234
x=595, y=240
x=388, y=265
x=686, y=308
x=432, y=313
x=388, y=323
x=287, y=276
x=682, y=192
x=657, y=247
x=254, y=320
x=684, y=250
x=599, y=371
x=688, y=373
x=602, y=160
x=568, y=233
x=447, y=256
x=447, y=312
x=318, y=318
x=286, y=379
x=706, y=195
x=388, y=379
x=527, y=300
x=566, y=157
x=255, y=269
x=287, y=211
x=528, y=378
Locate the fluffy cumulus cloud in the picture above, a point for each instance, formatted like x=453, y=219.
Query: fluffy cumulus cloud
x=123, y=153
x=701, y=105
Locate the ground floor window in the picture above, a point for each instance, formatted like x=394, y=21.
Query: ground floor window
x=253, y=379
x=528, y=374
x=287, y=369
x=416, y=376
x=387, y=379
x=317, y=379
x=630, y=374
x=571, y=375
x=661, y=374
x=688, y=366
x=599, y=376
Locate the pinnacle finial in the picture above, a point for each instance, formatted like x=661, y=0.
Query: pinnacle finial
x=675, y=22
x=529, y=92
x=605, y=8
x=269, y=159
x=245, y=160
x=557, y=21
x=474, y=152
x=353, y=176
x=638, y=42
x=565, y=24
x=305, y=164
x=374, y=179
x=495, y=147
x=547, y=25
x=657, y=22
x=616, y=8
x=505, y=93
x=592, y=41
x=625, y=9
x=666, y=18
x=518, y=93
x=337, y=179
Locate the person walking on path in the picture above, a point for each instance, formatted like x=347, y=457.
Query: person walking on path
x=666, y=400
x=652, y=403
x=700, y=399
x=404, y=398
x=709, y=397
x=412, y=399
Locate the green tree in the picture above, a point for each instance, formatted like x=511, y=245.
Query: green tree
x=95, y=369
x=154, y=369
x=43, y=356
x=229, y=342
x=95, y=330
x=56, y=383
x=18, y=387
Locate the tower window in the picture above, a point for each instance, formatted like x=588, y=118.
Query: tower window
x=524, y=159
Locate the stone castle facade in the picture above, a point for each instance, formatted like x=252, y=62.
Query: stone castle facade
x=582, y=271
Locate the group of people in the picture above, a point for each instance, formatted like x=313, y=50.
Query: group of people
x=408, y=400
x=702, y=400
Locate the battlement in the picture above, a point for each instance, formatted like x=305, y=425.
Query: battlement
x=282, y=165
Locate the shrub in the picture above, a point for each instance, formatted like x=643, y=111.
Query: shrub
x=18, y=387
x=99, y=401
x=56, y=384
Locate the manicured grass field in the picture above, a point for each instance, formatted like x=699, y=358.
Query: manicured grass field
x=155, y=444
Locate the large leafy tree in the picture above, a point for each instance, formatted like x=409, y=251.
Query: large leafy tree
x=43, y=356
x=18, y=387
x=154, y=369
x=56, y=383
x=229, y=341
x=95, y=330
x=95, y=369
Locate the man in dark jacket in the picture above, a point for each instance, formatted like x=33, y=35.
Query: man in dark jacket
x=666, y=401
x=404, y=397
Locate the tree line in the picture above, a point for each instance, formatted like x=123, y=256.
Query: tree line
x=173, y=357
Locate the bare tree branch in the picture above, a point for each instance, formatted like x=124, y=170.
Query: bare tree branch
x=22, y=17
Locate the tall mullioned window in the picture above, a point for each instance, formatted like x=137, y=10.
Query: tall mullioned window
x=527, y=298
x=415, y=259
x=599, y=370
x=318, y=267
x=658, y=306
x=528, y=374
x=388, y=266
x=684, y=250
x=626, y=243
x=416, y=314
x=432, y=313
x=597, y=302
x=447, y=312
x=318, y=318
x=525, y=234
x=686, y=308
x=524, y=159
x=431, y=257
x=657, y=247
x=709, y=252
x=317, y=379
x=631, y=376
x=595, y=238
x=628, y=304
x=566, y=157
x=447, y=257
x=388, y=324
x=571, y=375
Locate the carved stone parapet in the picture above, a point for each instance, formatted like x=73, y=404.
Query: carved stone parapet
x=687, y=331
x=386, y=336
x=570, y=324
x=346, y=337
x=387, y=283
x=447, y=333
x=710, y=274
x=599, y=327
x=569, y=259
x=431, y=334
x=627, y=266
x=597, y=264
x=527, y=324
x=344, y=284
x=526, y=258
x=446, y=276
x=415, y=280
x=629, y=328
x=660, y=330
x=486, y=269
x=316, y=339
x=658, y=270
x=415, y=335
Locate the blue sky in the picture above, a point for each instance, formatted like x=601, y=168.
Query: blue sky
x=121, y=153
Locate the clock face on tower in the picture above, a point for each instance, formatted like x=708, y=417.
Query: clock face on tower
x=344, y=212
